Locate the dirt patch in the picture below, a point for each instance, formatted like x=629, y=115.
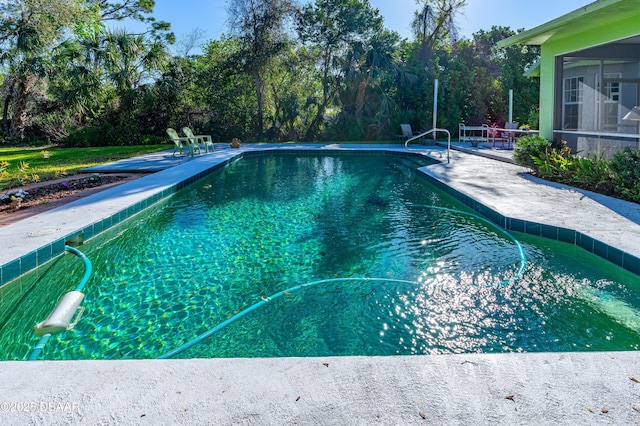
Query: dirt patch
x=19, y=203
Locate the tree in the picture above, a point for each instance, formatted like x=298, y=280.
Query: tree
x=137, y=10
x=259, y=26
x=507, y=67
x=190, y=41
x=130, y=58
x=44, y=17
x=128, y=9
x=369, y=61
x=76, y=79
x=33, y=35
x=292, y=79
x=28, y=29
x=331, y=26
x=434, y=23
x=225, y=94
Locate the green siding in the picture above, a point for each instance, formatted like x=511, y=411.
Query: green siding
x=601, y=32
x=547, y=72
x=596, y=24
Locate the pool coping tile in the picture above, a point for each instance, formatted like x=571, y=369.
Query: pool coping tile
x=631, y=263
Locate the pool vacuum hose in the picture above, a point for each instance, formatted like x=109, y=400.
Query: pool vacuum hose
x=60, y=318
x=264, y=301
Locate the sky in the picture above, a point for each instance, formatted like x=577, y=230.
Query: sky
x=210, y=15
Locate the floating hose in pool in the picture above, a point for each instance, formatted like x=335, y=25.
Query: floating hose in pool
x=523, y=258
x=60, y=318
x=264, y=301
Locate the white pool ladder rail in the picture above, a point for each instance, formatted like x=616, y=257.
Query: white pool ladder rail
x=421, y=135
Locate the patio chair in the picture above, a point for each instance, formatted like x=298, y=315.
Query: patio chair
x=202, y=140
x=510, y=136
x=406, y=130
x=497, y=134
x=181, y=143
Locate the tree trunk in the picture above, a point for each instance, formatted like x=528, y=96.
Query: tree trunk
x=19, y=117
x=319, y=118
x=9, y=82
x=5, y=113
x=280, y=119
x=258, y=84
x=315, y=124
x=362, y=88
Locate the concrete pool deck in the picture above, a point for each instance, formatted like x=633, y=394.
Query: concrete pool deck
x=509, y=389
x=548, y=388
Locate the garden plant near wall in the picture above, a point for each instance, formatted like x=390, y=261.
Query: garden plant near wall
x=626, y=171
x=619, y=177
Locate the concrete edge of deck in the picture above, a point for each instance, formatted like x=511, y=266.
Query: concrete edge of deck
x=547, y=388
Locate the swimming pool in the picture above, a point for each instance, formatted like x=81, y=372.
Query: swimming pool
x=267, y=223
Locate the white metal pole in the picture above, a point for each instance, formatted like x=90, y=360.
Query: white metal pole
x=435, y=106
x=510, y=105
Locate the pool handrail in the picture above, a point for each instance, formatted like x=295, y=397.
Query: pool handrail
x=434, y=130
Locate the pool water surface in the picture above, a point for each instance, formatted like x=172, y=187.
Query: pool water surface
x=446, y=280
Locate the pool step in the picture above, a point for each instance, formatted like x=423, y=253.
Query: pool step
x=407, y=165
x=414, y=162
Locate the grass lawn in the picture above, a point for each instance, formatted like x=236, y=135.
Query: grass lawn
x=20, y=166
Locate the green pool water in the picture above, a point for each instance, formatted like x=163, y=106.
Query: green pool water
x=267, y=223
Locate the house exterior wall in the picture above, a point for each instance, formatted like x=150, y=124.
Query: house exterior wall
x=602, y=30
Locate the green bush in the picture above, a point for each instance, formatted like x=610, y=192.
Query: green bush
x=107, y=134
x=625, y=166
x=89, y=136
x=552, y=163
x=592, y=173
x=529, y=147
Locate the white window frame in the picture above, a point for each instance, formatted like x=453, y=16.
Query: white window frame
x=575, y=100
x=609, y=98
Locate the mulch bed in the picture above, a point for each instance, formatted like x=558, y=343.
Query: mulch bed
x=45, y=193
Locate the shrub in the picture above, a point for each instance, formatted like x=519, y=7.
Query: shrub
x=89, y=136
x=619, y=177
x=592, y=173
x=625, y=166
x=529, y=147
x=552, y=163
x=107, y=134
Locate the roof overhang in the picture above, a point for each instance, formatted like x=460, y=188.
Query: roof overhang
x=598, y=13
x=534, y=71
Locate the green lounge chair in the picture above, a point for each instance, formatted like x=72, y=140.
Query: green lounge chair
x=181, y=143
x=202, y=140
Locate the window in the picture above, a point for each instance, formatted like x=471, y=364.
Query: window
x=572, y=102
x=609, y=101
